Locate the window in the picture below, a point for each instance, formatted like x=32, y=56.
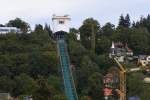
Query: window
x=4, y=30
x=61, y=22
x=12, y=30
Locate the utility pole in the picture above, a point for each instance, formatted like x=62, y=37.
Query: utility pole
x=93, y=39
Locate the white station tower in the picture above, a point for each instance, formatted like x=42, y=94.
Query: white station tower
x=61, y=23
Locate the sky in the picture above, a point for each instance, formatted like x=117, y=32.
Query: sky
x=41, y=11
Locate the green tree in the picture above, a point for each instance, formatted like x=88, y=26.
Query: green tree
x=60, y=97
x=108, y=29
x=88, y=31
x=139, y=41
x=43, y=90
x=84, y=72
x=6, y=84
x=48, y=29
x=124, y=21
x=76, y=51
x=127, y=21
x=103, y=45
x=74, y=30
x=144, y=22
x=84, y=98
x=38, y=28
x=23, y=85
x=19, y=23
x=55, y=82
x=95, y=85
x=132, y=88
x=121, y=21
x=104, y=62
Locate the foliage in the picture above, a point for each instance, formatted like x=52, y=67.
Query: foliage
x=29, y=62
x=24, y=26
x=90, y=26
x=43, y=90
x=25, y=57
x=124, y=21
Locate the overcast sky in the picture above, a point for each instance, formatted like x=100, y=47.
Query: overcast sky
x=41, y=11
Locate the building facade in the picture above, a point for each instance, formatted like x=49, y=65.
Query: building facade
x=61, y=23
x=5, y=30
x=120, y=51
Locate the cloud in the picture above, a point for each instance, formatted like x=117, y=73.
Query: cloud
x=40, y=11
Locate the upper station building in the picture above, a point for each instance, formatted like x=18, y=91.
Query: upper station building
x=61, y=24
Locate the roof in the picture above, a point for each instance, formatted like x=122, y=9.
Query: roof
x=61, y=17
x=120, y=46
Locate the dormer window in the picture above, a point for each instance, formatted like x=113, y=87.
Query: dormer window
x=61, y=22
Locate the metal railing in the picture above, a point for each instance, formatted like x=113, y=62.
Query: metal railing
x=69, y=84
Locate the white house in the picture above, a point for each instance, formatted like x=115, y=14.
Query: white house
x=61, y=23
x=120, y=51
x=4, y=30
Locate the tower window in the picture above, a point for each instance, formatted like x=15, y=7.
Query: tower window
x=61, y=22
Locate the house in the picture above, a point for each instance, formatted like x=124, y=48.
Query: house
x=5, y=30
x=120, y=51
x=144, y=60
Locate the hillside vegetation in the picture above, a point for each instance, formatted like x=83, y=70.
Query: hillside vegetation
x=29, y=63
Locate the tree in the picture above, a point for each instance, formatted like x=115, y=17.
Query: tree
x=84, y=98
x=93, y=39
x=1, y=25
x=88, y=31
x=124, y=21
x=95, y=85
x=132, y=88
x=133, y=24
x=55, y=82
x=23, y=57
x=23, y=85
x=103, y=45
x=121, y=21
x=73, y=34
x=104, y=62
x=48, y=29
x=127, y=21
x=144, y=23
x=77, y=51
x=108, y=29
x=139, y=41
x=74, y=30
x=38, y=28
x=84, y=72
x=60, y=97
x=24, y=26
x=43, y=90
x=6, y=84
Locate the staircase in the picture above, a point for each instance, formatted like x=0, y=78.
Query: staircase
x=69, y=85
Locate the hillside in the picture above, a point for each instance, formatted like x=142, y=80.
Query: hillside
x=29, y=63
